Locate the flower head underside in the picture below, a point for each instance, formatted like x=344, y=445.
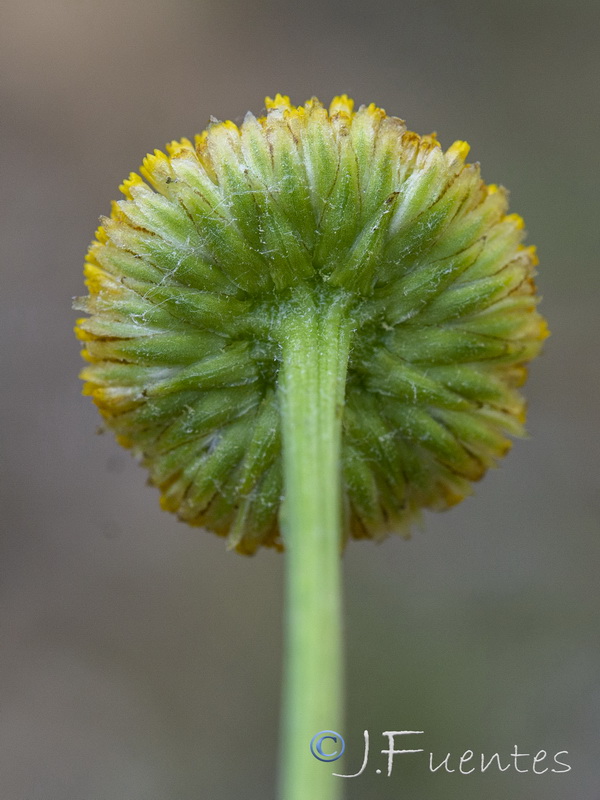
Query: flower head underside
x=190, y=277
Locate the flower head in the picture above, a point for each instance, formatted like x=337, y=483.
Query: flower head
x=188, y=277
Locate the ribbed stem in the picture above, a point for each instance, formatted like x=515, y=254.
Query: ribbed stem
x=315, y=338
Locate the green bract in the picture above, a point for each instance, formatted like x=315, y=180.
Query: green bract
x=199, y=275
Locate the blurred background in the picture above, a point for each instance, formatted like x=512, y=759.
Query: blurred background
x=139, y=659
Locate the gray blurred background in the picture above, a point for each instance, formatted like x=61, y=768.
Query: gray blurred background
x=140, y=661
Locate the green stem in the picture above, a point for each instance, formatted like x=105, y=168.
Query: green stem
x=315, y=338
